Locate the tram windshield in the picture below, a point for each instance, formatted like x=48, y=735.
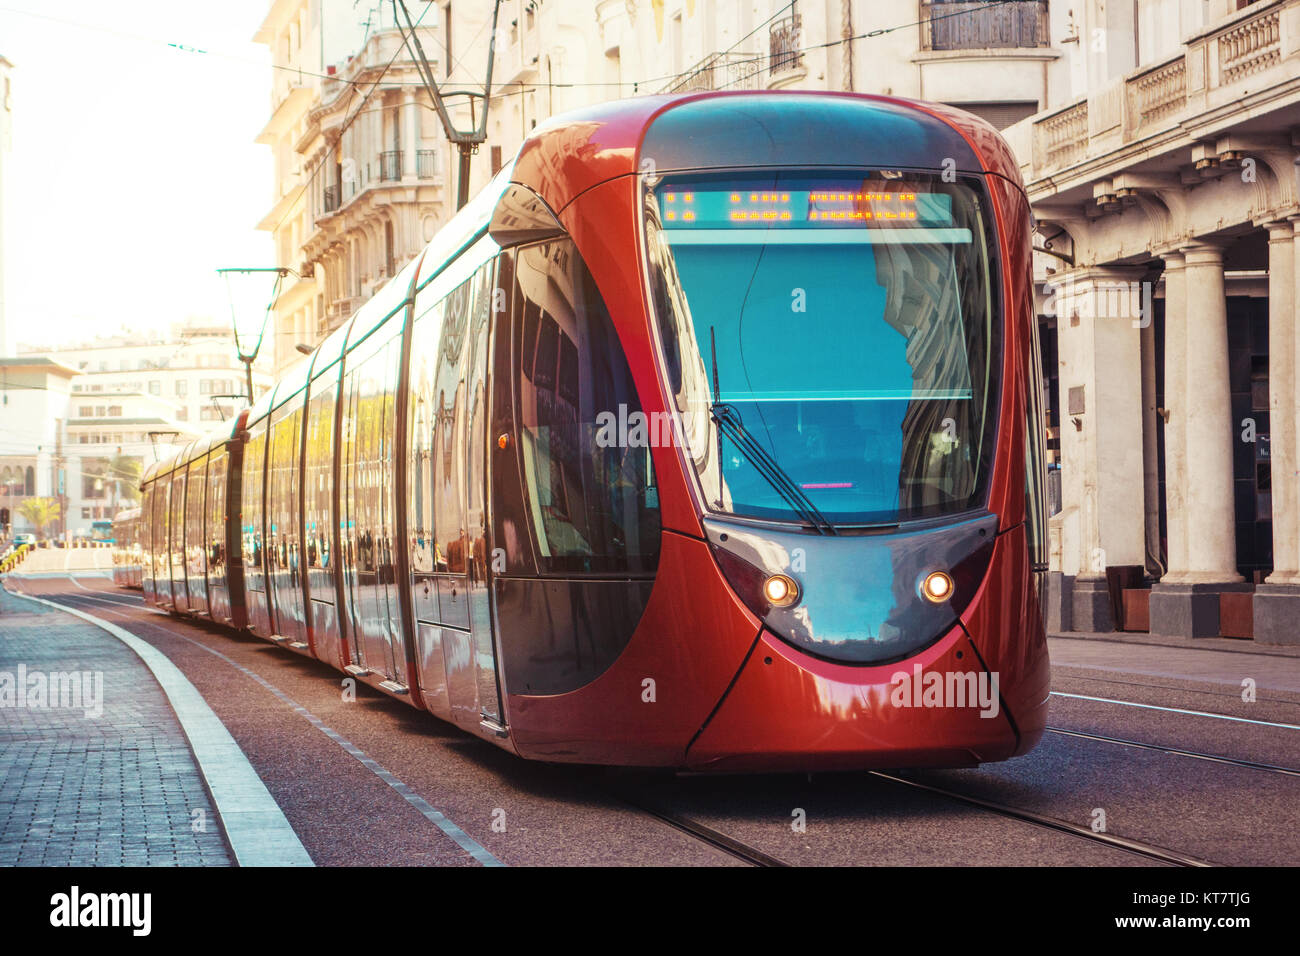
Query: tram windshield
x=847, y=322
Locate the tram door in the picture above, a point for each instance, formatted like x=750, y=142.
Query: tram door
x=367, y=522
x=480, y=555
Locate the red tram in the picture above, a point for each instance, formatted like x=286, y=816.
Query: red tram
x=708, y=435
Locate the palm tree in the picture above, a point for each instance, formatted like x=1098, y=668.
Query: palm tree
x=40, y=512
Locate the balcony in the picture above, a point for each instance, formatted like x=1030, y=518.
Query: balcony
x=784, y=54
x=722, y=71
x=390, y=166
x=426, y=163
x=1161, y=105
x=975, y=25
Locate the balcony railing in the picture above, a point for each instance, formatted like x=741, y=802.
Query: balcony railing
x=390, y=166
x=426, y=163
x=1209, y=73
x=721, y=71
x=331, y=198
x=783, y=45
x=975, y=25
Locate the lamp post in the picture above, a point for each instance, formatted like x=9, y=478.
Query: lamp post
x=248, y=358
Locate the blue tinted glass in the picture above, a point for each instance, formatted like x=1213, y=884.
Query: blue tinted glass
x=847, y=321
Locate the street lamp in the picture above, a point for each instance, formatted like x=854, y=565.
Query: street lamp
x=248, y=358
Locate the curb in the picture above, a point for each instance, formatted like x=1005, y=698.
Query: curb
x=254, y=824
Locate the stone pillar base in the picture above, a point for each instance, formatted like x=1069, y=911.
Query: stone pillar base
x=1188, y=610
x=1091, y=608
x=1276, y=608
x=1059, y=603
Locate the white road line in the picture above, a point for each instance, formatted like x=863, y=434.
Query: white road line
x=429, y=812
x=256, y=828
x=1177, y=710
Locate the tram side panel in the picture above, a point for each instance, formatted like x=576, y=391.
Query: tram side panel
x=214, y=534
x=319, y=490
x=283, y=551
x=1005, y=619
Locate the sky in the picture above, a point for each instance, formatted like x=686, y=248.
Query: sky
x=132, y=173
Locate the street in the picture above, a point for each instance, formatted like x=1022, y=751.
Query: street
x=1150, y=757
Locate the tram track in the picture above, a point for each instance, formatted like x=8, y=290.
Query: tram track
x=1149, y=851
x=705, y=834
x=1176, y=751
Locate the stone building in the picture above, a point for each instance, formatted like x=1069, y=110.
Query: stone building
x=1165, y=187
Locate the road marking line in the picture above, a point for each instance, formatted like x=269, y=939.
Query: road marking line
x=1177, y=710
x=255, y=826
x=430, y=813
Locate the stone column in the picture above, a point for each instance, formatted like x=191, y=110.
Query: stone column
x=1277, y=601
x=1175, y=423
x=1099, y=320
x=1186, y=602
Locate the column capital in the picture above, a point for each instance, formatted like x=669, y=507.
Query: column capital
x=1203, y=252
x=1283, y=230
x=1174, y=260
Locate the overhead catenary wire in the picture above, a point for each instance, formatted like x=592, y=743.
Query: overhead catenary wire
x=516, y=84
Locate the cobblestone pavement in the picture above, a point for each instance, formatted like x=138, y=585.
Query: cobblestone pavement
x=119, y=788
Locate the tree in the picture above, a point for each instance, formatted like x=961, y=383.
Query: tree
x=40, y=512
x=124, y=473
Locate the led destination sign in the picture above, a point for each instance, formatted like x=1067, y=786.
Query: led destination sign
x=802, y=209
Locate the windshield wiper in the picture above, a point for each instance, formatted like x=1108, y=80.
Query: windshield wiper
x=728, y=421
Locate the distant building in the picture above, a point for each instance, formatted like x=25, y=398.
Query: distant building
x=78, y=422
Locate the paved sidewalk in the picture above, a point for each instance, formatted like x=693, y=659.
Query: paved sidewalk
x=1212, y=660
x=110, y=781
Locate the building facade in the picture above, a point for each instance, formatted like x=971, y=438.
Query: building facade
x=364, y=174
x=1165, y=187
x=80, y=422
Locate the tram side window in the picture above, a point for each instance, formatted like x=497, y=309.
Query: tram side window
x=319, y=473
x=251, y=510
x=424, y=420
x=216, y=512
x=449, y=403
x=588, y=492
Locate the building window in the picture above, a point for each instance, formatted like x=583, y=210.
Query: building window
x=1005, y=26
x=85, y=411
x=115, y=411
x=182, y=414
x=85, y=512
x=182, y=388
x=155, y=387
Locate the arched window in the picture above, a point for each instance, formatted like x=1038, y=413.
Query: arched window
x=31, y=481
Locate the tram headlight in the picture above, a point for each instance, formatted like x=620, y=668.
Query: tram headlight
x=937, y=587
x=781, y=590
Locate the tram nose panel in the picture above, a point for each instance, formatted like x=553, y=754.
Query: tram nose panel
x=860, y=598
